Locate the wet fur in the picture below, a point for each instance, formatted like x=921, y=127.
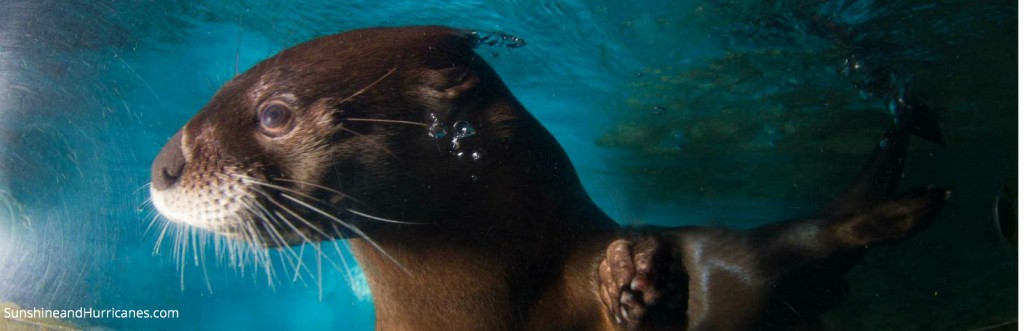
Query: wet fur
x=509, y=241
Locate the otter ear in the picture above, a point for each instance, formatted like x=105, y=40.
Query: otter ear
x=462, y=79
x=448, y=84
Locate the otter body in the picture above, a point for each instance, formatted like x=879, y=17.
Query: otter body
x=464, y=212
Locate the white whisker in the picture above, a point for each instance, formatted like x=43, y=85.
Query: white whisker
x=144, y=186
x=352, y=228
x=328, y=189
x=259, y=253
x=298, y=217
x=282, y=243
x=319, y=271
x=368, y=86
x=341, y=256
x=160, y=238
x=386, y=121
x=250, y=180
x=381, y=218
x=302, y=252
x=153, y=217
x=202, y=257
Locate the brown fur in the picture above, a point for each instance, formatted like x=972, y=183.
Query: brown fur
x=508, y=241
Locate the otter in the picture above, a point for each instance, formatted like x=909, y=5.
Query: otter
x=464, y=212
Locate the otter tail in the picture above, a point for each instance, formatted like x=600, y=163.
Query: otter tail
x=880, y=175
x=916, y=118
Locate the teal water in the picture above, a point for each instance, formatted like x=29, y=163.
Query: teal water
x=730, y=113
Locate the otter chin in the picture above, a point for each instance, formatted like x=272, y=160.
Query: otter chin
x=465, y=213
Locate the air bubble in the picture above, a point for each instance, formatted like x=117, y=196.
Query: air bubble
x=494, y=38
x=462, y=130
x=436, y=129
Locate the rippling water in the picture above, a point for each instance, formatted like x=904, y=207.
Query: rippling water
x=674, y=112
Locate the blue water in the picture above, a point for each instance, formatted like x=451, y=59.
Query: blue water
x=724, y=113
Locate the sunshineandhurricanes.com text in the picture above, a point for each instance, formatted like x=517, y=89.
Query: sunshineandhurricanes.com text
x=15, y=313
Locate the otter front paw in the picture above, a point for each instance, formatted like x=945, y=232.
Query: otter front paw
x=637, y=277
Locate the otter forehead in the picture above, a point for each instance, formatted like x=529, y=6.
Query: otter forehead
x=349, y=60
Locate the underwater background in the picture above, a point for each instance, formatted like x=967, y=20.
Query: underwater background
x=714, y=113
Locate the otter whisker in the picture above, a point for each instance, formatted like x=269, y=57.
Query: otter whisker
x=195, y=249
x=250, y=180
x=202, y=258
x=381, y=218
x=304, y=221
x=153, y=216
x=250, y=231
x=268, y=266
x=302, y=252
x=265, y=218
x=145, y=202
x=343, y=128
x=283, y=248
x=352, y=228
x=176, y=235
x=341, y=256
x=325, y=188
x=259, y=255
x=307, y=223
x=267, y=223
x=160, y=238
x=298, y=264
x=284, y=220
x=308, y=206
x=297, y=231
x=319, y=271
x=247, y=205
x=293, y=214
x=144, y=186
x=386, y=121
x=368, y=86
x=282, y=243
x=182, y=236
x=180, y=251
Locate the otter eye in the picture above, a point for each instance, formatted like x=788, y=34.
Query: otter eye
x=276, y=119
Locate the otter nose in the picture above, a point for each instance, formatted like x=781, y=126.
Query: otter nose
x=168, y=165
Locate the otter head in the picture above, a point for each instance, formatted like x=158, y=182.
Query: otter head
x=354, y=132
